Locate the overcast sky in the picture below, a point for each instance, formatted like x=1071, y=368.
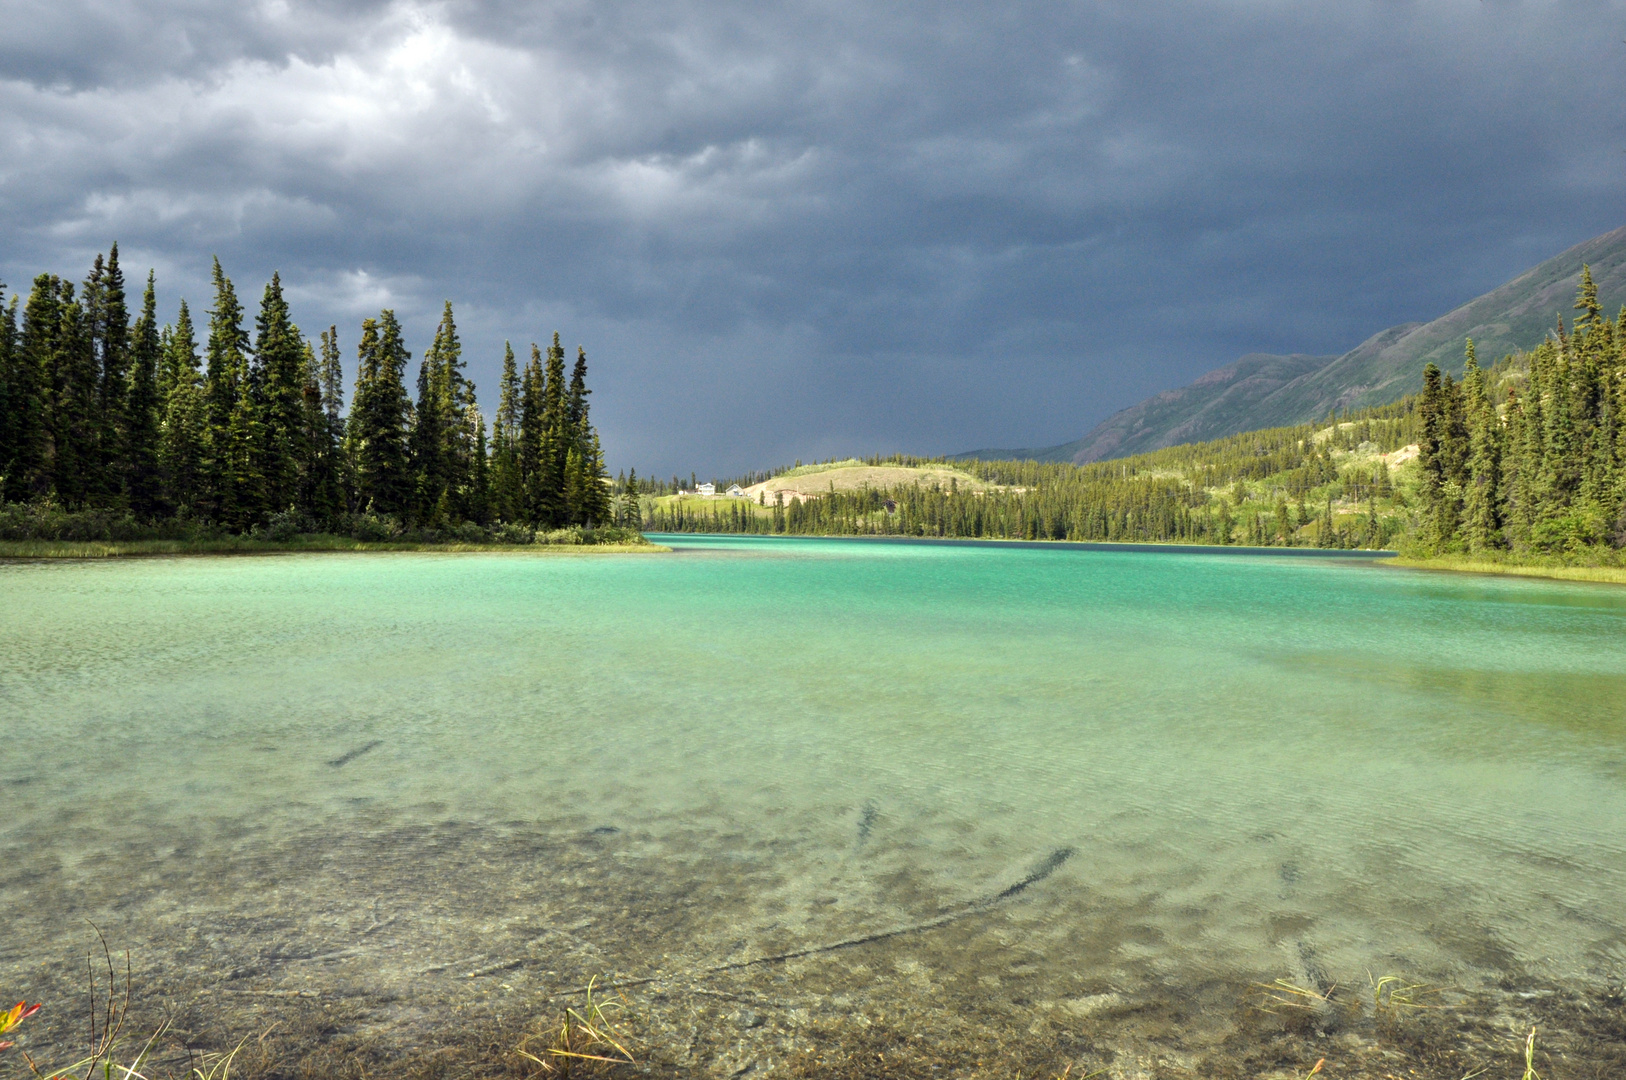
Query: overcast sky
x=797, y=230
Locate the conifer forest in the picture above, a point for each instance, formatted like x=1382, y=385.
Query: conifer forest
x=1531, y=456
x=115, y=427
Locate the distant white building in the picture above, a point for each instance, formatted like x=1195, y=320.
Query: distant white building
x=735, y=491
x=707, y=489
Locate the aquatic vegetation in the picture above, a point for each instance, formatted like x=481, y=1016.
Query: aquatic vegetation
x=1530, y=1057
x=106, y=1029
x=1283, y=994
x=1391, y=994
x=220, y=1069
x=584, y=1035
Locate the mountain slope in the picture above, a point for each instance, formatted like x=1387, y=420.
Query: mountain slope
x=1209, y=408
x=1514, y=317
x=1262, y=391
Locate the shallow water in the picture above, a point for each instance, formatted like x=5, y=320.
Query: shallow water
x=363, y=773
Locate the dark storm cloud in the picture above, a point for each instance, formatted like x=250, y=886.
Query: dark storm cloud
x=796, y=230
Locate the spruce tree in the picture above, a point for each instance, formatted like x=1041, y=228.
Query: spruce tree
x=1518, y=474
x=332, y=376
x=479, y=497
x=1586, y=301
x=183, y=439
x=428, y=440
x=635, y=514
x=1559, y=476
x=576, y=396
x=575, y=492
x=141, y=411
x=587, y=497
x=596, y=502
x=380, y=418
x=100, y=437
x=74, y=411
x=549, y=498
x=333, y=495
x=225, y=373
x=242, y=485
x=170, y=371
x=1482, y=496
x=443, y=439
x=109, y=330
x=1430, y=457
x=507, y=485
x=533, y=439
x=281, y=370
x=8, y=352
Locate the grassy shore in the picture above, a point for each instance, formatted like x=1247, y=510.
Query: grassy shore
x=1481, y=564
x=244, y=545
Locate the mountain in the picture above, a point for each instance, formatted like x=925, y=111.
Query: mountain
x=1260, y=391
x=1209, y=408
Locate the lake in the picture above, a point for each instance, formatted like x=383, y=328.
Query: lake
x=800, y=800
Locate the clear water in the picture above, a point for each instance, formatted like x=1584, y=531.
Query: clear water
x=1265, y=767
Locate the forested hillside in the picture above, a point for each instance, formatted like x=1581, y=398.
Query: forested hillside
x=114, y=427
x=1527, y=460
x=1327, y=486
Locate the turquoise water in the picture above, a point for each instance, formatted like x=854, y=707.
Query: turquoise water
x=1263, y=767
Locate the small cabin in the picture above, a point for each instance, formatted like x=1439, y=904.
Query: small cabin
x=735, y=491
x=707, y=489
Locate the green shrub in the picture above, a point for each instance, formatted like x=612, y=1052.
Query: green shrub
x=368, y=526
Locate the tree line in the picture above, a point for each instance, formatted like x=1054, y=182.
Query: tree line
x=1275, y=487
x=1543, y=471
x=102, y=411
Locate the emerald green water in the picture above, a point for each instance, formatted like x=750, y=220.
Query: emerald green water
x=632, y=766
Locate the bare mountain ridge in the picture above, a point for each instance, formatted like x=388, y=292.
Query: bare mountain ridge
x=1260, y=390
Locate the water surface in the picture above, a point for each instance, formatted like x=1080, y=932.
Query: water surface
x=362, y=774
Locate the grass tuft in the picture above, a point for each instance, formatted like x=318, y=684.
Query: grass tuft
x=1530, y=1057
x=584, y=1037
x=1392, y=995
x=1283, y=994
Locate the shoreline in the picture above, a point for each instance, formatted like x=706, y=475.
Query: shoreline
x=18, y=550
x=1606, y=575
x=1177, y=547
x=1594, y=575
x=29, y=550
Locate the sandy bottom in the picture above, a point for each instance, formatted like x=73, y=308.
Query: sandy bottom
x=410, y=950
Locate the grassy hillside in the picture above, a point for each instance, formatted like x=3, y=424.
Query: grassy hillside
x=1261, y=391
x=854, y=475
